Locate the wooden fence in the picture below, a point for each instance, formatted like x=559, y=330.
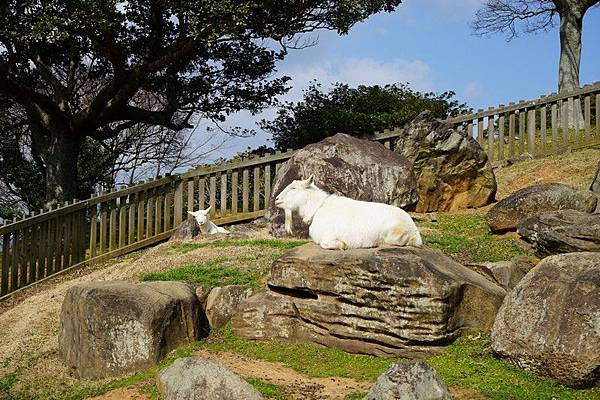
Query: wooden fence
x=121, y=221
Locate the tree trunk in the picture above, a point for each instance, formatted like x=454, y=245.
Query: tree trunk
x=61, y=168
x=571, y=24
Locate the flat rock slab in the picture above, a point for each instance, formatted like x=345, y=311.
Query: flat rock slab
x=114, y=328
x=566, y=231
x=550, y=323
x=347, y=166
x=409, y=380
x=385, y=301
x=452, y=169
x=508, y=213
x=196, y=378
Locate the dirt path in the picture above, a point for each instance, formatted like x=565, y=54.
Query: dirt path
x=296, y=385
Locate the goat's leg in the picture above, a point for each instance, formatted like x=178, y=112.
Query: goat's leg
x=333, y=244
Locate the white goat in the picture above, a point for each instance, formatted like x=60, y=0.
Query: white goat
x=206, y=225
x=337, y=222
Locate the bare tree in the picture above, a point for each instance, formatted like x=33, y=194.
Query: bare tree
x=513, y=17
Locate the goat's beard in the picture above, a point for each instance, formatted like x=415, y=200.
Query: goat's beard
x=288, y=221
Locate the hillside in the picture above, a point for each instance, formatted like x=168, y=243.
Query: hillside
x=30, y=367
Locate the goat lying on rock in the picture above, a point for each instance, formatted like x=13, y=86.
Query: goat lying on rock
x=206, y=225
x=337, y=222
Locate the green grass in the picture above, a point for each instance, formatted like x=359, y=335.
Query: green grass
x=310, y=360
x=268, y=390
x=261, y=243
x=356, y=396
x=209, y=273
x=470, y=363
x=469, y=236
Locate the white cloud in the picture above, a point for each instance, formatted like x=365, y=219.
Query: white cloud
x=360, y=71
x=472, y=91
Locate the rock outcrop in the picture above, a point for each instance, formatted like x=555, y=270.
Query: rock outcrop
x=383, y=301
x=595, y=187
x=115, y=328
x=565, y=231
x=452, y=169
x=187, y=230
x=505, y=273
x=550, y=323
x=195, y=378
x=347, y=166
x=508, y=213
x=223, y=302
x=409, y=380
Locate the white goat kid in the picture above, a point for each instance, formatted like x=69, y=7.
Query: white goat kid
x=206, y=225
x=337, y=222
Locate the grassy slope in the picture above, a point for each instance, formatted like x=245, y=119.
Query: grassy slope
x=467, y=363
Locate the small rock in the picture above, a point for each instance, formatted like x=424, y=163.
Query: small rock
x=223, y=302
x=550, y=323
x=506, y=273
x=508, y=213
x=202, y=293
x=566, y=231
x=411, y=380
x=195, y=378
x=115, y=328
x=187, y=230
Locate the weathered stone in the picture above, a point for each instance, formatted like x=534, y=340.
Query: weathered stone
x=223, y=302
x=525, y=203
x=409, y=380
x=452, y=169
x=115, y=328
x=347, y=166
x=550, y=323
x=195, y=378
x=505, y=273
x=566, y=231
x=382, y=301
x=595, y=187
x=187, y=230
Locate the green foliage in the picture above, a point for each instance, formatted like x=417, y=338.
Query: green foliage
x=78, y=69
x=469, y=362
x=469, y=236
x=355, y=396
x=210, y=273
x=260, y=243
x=358, y=112
x=310, y=360
x=268, y=390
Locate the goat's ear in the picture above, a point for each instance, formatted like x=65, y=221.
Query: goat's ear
x=310, y=180
x=207, y=210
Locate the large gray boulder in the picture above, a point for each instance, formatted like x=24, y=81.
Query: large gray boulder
x=115, y=328
x=452, y=169
x=383, y=301
x=347, y=166
x=409, y=380
x=566, y=231
x=223, y=302
x=195, y=378
x=508, y=213
x=550, y=323
x=187, y=230
x=595, y=187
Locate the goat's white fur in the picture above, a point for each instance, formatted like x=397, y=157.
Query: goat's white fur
x=206, y=225
x=337, y=222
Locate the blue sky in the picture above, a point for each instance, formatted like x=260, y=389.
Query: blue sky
x=429, y=44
